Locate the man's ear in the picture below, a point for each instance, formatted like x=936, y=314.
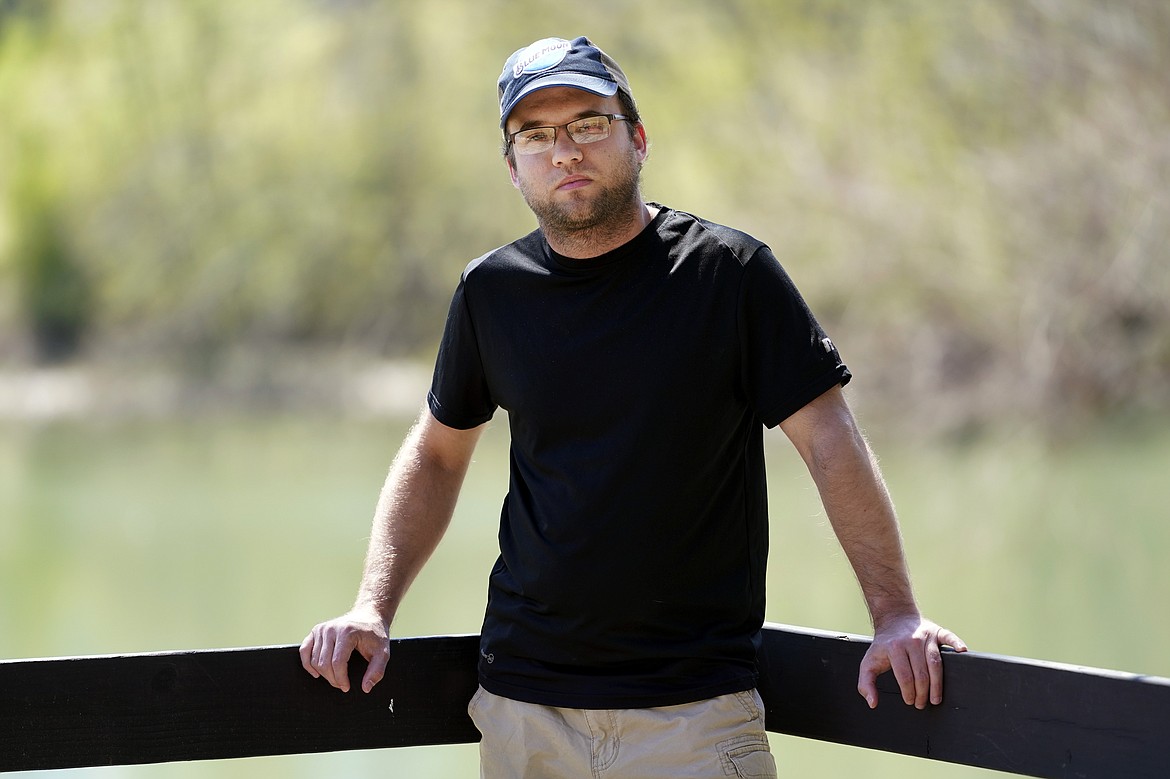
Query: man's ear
x=512, y=171
x=640, y=141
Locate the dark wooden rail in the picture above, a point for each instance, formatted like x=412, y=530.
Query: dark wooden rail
x=1020, y=716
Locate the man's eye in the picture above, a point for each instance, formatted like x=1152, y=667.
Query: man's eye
x=591, y=125
x=539, y=135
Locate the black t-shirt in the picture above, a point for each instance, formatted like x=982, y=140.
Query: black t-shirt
x=634, y=535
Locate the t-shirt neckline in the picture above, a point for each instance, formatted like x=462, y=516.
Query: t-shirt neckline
x=612, y=257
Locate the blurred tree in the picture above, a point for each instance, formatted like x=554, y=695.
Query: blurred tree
x=972, y=196
x=53, y=290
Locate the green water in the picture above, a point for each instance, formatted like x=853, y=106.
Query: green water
x=140, y=536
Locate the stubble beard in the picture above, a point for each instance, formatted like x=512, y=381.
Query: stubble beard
x=590, y=219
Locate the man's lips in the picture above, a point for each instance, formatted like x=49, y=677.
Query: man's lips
x=573, y=182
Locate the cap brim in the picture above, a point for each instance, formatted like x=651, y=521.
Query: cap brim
x=597, y=86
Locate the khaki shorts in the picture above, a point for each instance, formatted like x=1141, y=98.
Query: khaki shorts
x=708, y=739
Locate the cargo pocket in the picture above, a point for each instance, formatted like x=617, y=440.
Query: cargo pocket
x=747, y=757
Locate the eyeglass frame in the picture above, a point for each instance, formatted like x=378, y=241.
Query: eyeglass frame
x=510, y=138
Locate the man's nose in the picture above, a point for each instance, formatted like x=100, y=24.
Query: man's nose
x=565, y=149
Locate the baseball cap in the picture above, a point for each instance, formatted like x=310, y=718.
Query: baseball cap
x=556, y=62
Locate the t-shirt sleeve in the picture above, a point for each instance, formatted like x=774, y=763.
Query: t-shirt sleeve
x=460, y=396
x=787, y=359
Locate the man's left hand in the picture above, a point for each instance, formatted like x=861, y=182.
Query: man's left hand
x=910, y=647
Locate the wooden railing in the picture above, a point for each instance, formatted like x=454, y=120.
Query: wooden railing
x=1020, y=716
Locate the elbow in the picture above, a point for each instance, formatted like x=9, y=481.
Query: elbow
x=837, y=445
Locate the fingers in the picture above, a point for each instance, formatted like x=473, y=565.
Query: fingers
x=883, y=656
x=909, y=666
x=871, y=667
x=338, y=662
x=326, y=651
x=934, y=660
x=307, y=654
x=324, y=655
x=377, y=668
x=917, y=665
x=947, y=638
x=934, y=677
x=915, y=658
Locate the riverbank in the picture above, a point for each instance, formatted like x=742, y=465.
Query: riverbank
x=316, y=383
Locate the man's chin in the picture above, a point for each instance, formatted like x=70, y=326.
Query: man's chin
x=568, y=217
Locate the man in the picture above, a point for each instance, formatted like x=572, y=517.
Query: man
x=639, y=352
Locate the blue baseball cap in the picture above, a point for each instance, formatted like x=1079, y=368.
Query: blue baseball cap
x=556, y=62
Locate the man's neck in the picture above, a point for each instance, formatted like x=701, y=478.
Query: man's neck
x=595, y=241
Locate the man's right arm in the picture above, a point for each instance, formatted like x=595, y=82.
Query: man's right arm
x=413, y=513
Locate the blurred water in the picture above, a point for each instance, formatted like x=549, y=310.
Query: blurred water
x=240, y=531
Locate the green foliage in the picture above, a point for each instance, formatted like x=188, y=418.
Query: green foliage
x=973, y=196
x=54, y=292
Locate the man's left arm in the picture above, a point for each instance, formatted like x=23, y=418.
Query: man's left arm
x=862, y=515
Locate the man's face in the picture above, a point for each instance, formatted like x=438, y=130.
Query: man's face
x=573, y=186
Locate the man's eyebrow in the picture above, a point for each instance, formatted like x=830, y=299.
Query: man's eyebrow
x=545, y=123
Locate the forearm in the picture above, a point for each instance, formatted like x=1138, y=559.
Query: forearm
x=413, y=512
x=856, y=501
x=862, y=514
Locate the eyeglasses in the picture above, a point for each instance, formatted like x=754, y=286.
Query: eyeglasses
x=590, y=129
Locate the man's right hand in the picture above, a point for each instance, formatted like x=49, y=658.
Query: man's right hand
x=327, y=648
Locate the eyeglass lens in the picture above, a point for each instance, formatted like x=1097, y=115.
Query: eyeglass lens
x=540, y=139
